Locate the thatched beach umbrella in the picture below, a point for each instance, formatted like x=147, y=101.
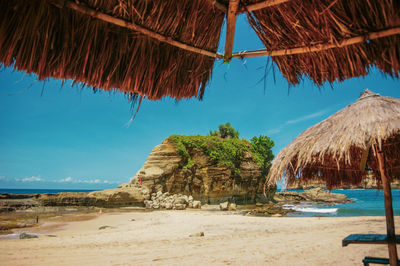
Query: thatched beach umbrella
x=158, y=48
x=345, y=148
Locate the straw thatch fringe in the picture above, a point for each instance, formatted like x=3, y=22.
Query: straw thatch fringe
x=38, y=37
x=130, y=25
x=308, y=23
x=219, y=5
x=333, y=149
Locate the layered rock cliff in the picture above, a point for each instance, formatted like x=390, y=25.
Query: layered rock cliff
x=367, y=183
x=166, y=170
x=131, y=196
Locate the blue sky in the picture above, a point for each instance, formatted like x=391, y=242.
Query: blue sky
x=67, y=138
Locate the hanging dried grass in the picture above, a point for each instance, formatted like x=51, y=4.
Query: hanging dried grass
x=38, y=37
x=306, y=23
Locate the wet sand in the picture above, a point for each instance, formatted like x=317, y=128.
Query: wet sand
x=172, y=238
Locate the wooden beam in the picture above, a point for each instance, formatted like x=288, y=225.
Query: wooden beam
x=219, y=5
x=261, y=5
x=319, y=47
x=132, y=26
x=391, y=236
x=230, y=28
x=364, y=158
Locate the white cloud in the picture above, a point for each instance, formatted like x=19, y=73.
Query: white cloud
x=306, y=117
x=2, y=177
x=274, y=131
x=85, y=181
x=31, y=179
x=66, y=180
x=295, y=121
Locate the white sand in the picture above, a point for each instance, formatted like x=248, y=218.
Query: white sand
x=162, y=237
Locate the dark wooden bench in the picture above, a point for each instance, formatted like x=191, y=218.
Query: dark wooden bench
x=384, y=261
x=367, y=239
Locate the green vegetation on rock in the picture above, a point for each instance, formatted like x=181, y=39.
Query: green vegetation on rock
x=227, y=152
x=225, y=131
x=261, y=149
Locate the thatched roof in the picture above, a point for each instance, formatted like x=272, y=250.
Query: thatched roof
x=53, y=40
x=308, y=23
x=167, y=48
x=340, y=149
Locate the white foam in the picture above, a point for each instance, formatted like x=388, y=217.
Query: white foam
x=315, y=210
x=287, y=207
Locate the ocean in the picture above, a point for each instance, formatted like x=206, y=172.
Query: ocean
x=367, y=202
x=40, y=191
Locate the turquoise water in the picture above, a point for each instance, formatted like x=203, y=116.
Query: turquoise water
x=367, y=202
x=39, y=191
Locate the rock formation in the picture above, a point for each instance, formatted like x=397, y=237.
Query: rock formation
x=161, y=200
x=206, y=181
x=106, y=198
x=312, y=195
x=367, y=183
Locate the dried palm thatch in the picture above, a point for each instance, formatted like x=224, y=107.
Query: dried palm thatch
x=329, y=23
x=340, y=150
x=163, y=48
x=51, y=39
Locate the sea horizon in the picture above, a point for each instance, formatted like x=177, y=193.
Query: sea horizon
x=42, y=190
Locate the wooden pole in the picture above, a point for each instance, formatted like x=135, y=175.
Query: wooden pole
x=320, y=47
x=261, y=5
x=391, y=236
x=132, y=26
x=230, y=29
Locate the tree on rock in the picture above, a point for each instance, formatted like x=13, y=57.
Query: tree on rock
x=225, y=131
x=262, y=149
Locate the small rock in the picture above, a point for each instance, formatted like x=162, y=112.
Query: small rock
x=27, y=236
x=224, y=206
x=259, y=204
x=196, y=204
x=168, y=205
x=232, y=207
x=185, y=198
x=179, y=206
x=148, y=204
x=197, y=234
x=190, y=198
x=159, y=194
x=105, y=227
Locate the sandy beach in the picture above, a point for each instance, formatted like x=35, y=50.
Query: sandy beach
x=172, y=238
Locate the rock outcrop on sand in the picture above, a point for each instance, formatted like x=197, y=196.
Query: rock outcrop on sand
x=7, y=205
x=161, y=200
x=128, y=196
x=367, y=183
x=206, y=180
x=313, y=195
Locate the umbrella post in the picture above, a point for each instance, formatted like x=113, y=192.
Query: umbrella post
x=391, y=236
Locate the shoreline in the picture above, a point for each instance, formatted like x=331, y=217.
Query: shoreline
x=173, y=237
